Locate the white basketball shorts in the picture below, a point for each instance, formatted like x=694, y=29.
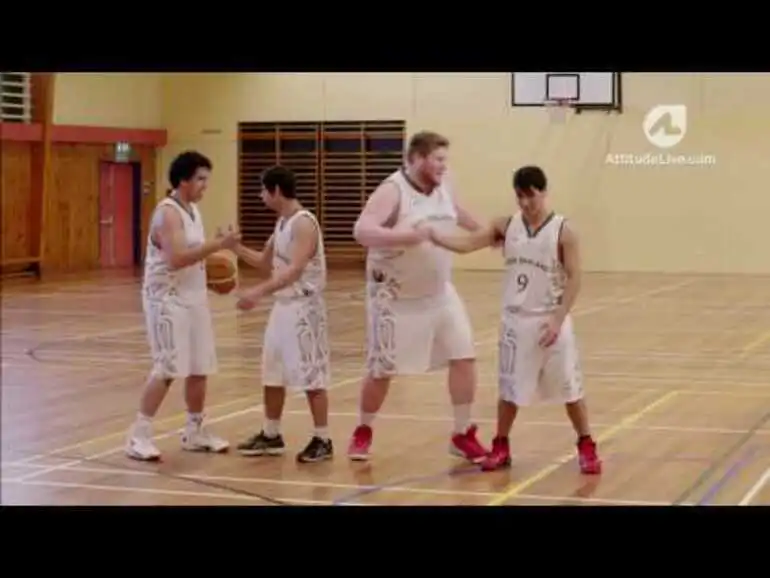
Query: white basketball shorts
x=415, y=336
x=295, y=348
x=529, y=373
x=181, y=338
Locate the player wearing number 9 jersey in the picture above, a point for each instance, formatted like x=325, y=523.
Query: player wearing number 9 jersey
x=538, y=356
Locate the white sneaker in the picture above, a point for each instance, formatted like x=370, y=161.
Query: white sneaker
x=139, y=444
x=195, y=438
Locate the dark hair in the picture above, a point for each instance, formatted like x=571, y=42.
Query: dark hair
x=528, y=178
x=185, y=165
x=279, y=177
x=425, y=142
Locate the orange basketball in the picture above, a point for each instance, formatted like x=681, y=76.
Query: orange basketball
x=221, y=272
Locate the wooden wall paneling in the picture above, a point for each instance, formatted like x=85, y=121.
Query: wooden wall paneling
x=356, y=158
x=384, y=148
x=43, y=95
x=338, y=164
x=18, y=234
x=342, y=182
x=299, y=150
x=72, y=205
x=23, y=182
x=257, y=150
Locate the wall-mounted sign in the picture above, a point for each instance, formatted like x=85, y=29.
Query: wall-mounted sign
x=122, y=152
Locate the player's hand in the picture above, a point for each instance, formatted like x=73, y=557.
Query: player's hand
x=245, y=304
x=229, y=239
x=248, y=299
x=423, y=231
x=550, y=332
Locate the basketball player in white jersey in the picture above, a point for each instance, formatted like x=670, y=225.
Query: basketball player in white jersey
x=177, y=313
x=416, y=321
x=295, y=348
x=538, y=357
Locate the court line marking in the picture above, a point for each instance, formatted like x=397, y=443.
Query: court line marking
x=599, y=307
x=565, y=423
x=755, y=489
x=176, y=417
x=756, y=343
x=312, y=484
x=157, y=491
x=219, y=313
x=216, y=313
x=729, y=475
x=169, y=433
x=708, y=360
x=586, y=311
x=514, y=490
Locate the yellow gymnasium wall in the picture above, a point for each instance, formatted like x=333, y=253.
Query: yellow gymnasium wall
x=121, y=100
x=114, y=100
x=700, y=218
x=668, y=219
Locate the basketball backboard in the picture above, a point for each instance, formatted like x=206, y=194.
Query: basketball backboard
x=587, y=89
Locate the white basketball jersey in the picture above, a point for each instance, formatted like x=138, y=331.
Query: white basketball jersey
x=534, y=276
x=186, y=285
x=425, y=269
x=312, y=281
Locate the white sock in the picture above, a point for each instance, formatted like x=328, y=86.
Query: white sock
x=194, y=419
x=143, y=419
x=462, y=414
x=142, y=426
x=272, y=427
x=322, y=432
x=367, y=418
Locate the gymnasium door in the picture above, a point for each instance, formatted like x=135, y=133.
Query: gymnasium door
x=116, y=219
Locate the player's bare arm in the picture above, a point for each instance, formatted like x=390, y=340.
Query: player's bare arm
x=370, y=229
x=168, y=233
x=570, y=250
x=305, y=236
x=257, y=259
x=468, y=242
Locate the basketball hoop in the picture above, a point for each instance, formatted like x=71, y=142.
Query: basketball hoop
x=557, y=109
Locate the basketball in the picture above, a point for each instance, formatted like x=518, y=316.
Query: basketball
x=221, y=272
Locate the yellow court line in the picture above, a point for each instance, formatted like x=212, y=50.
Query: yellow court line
x=747, y=349
x=177, y=417
x=611, y=432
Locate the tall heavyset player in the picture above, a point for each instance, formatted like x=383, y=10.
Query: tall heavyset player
x=175, y=299
x=538, y=357
x=416, y=321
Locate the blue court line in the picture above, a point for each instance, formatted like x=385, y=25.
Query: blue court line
x=739, y=465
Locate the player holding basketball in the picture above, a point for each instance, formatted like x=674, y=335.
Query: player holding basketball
x=295, y=348
x=538, y=357
x=177, y=313
x=416, y=321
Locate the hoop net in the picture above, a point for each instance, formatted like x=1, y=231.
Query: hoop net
x=557, y=109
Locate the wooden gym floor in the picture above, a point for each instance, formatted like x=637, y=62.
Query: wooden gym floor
x=677, y=371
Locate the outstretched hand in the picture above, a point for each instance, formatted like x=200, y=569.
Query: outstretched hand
x=229, y=239
x=248, y=299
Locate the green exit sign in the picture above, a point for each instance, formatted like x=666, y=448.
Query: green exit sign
x=122, y=152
